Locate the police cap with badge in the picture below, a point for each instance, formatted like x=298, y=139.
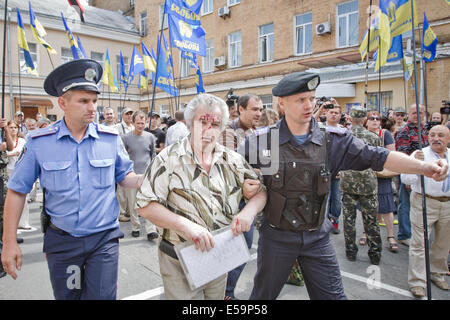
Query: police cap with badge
x=82, y=74
x=296, y=83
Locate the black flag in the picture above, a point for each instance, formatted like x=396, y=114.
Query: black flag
x=77, y=6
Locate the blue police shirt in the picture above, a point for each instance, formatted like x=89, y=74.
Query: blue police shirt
x=79, y=177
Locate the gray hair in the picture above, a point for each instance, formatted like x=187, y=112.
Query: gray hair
x=211, y=102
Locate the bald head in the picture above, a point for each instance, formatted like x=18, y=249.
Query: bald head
x=438, y=138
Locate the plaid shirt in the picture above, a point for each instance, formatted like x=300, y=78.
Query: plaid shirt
x=407, y=138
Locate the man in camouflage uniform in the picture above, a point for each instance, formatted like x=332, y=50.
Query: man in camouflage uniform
x=3, y=180
x=362, y=187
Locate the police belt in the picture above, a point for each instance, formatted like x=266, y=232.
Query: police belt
x=440, y=199
x=168, y=248
x=51, y=225
x=297, y=231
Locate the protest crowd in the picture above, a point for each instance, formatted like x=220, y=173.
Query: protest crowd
x=178, y=179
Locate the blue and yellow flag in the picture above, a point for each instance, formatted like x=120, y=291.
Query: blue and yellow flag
x=108, y=75
x=80, y=47
x=143, y=81
x=123, y=77
x=164, y=69
x=408, y=67
x=136, y=65
x=179, y=9
x=39, y=31
x=195, y=5
x=191, y=57
x=73, y=44
x=429, y=41
x=149, y=61
x=23, y=44
x=199, y=81
x=399, y=13
x=186, y=36
x=380, y=37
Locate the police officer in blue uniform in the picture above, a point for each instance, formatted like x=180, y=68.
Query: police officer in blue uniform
x=297, y=159
x=78, y=164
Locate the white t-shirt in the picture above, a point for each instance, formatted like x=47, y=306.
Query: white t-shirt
x=12, y=160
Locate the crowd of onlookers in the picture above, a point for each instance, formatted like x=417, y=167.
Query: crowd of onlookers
x=145, y=135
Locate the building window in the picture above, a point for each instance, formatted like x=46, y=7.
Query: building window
x=166, y=18
x=347, y=24
x=132, y=3
x=266, y=43
x=208, y=60
x=386, y=101
x=233, y=2
x=98, y=56
x=303, y=33
x=164, y=110
x=185, y=67
x=207, y=7
x=267, y=101
x=143, y=23
x=235, y=49
x=126, y=66
x=66, y=55
x=34, y=56
x=99, y=113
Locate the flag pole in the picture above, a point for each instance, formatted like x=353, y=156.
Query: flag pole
x=20, y=81
x=366, y=84
x=379, y=76
x=422, y=179
x=157, y=61
x=424, y=74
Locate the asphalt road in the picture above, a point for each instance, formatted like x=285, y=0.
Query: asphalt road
x=139, y=276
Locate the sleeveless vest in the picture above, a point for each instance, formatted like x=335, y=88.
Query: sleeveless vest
x=298, y=191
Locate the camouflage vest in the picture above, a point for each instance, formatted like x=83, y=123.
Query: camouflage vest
x=361, y=182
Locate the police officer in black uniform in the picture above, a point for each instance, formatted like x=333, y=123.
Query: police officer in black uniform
x=298, y=159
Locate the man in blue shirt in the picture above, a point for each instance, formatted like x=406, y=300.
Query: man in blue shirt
x=78, y=164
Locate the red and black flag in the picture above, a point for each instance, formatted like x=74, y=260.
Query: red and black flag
x=77, y=6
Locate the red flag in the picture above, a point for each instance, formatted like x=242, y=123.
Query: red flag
x=77, y=6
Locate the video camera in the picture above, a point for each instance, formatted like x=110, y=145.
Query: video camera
x=231, y=98
x=324, y=99
x=446, y=109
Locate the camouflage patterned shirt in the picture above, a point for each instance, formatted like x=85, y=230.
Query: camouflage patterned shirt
x=176, y=180
x=361, y=182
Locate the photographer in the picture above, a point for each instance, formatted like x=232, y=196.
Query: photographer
x=324, y=104
x=231, y=100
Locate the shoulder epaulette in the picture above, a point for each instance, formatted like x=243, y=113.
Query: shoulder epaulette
x=106, y=129
x=262, y=130
x=43, y=132
x=336, y=130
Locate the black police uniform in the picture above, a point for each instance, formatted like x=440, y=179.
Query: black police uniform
x=297, y=181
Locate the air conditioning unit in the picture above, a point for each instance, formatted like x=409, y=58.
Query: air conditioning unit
x=323, y=28
x=224, y=11
x=219, y=62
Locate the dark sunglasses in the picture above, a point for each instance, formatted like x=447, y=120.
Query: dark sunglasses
x=373, y=118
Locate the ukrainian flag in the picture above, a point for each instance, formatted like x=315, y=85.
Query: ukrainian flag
x=22, y=41
x=149, y=62
x=143, y=81
x=72, y=42
x=380, y=35
x=108, y=76
x=429, y=42
x=123, y=75
x=39, y=31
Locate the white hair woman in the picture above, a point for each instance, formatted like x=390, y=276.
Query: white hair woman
x=194, y=187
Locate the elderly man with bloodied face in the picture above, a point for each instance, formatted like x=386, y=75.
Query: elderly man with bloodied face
x=194, y=187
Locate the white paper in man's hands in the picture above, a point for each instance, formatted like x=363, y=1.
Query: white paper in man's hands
x=229, y=252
